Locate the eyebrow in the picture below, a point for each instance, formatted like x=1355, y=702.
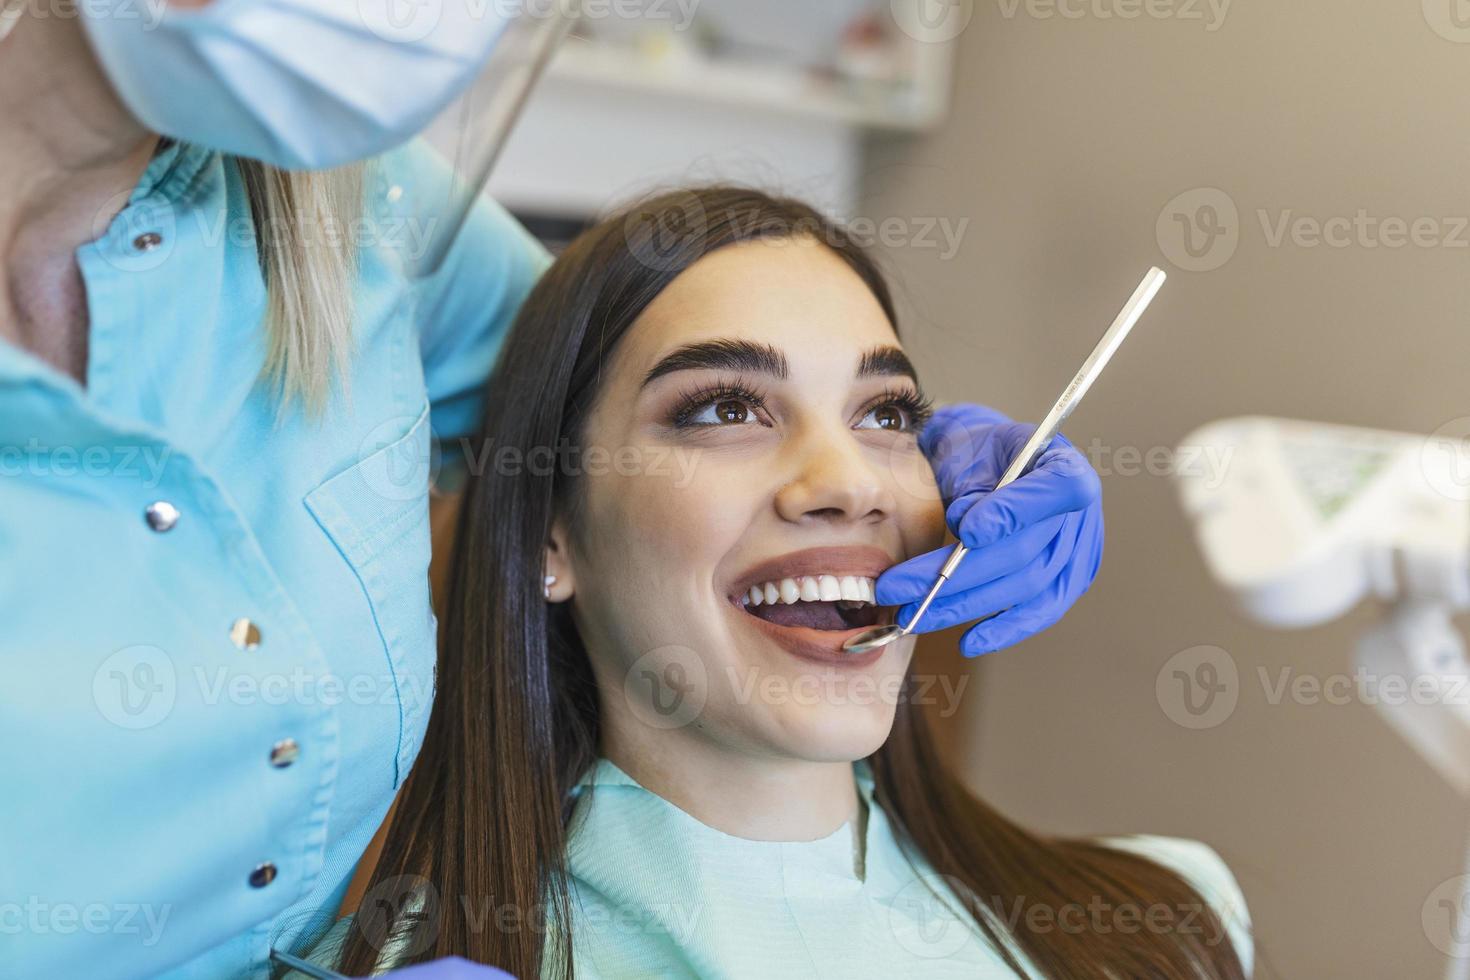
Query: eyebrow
x=757, y=358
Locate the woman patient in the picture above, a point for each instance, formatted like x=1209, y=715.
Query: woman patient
x=648, y=755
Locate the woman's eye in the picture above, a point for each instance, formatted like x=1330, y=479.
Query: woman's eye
x=885, y=417
x=724, y=411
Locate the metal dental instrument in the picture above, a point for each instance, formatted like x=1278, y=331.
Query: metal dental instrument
x=878, y=636
x=306, y=966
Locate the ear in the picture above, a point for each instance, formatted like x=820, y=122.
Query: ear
x=558, y=581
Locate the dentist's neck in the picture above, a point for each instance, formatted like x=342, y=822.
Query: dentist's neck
x=744, y=794
x=69, y=153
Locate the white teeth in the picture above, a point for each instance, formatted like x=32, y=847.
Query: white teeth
x=811, y=588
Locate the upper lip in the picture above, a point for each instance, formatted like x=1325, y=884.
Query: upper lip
x=866, y=561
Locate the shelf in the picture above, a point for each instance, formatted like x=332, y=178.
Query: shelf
x=767, y=88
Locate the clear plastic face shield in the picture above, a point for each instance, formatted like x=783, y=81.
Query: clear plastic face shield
x=472, y=130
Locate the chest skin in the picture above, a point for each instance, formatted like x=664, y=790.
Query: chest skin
x=46, y=314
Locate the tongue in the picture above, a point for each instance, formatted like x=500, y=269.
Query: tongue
x=816, y=615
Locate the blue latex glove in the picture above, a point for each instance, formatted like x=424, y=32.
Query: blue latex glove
x=450, y=968
x=1035, y=545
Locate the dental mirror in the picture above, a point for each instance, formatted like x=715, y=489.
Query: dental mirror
x=1071, y=397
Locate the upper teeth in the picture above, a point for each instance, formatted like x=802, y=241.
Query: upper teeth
x=811, y=588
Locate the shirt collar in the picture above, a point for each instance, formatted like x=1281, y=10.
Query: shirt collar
x=172, y=169
x=169, y=175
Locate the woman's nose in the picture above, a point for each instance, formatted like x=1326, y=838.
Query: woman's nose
x=837, y=480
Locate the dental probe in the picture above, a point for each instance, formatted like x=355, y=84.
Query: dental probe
x=1071, y=397
x=306, y=966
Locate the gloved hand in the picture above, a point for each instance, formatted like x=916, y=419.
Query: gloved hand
x=450, y=968
x=1035, y=545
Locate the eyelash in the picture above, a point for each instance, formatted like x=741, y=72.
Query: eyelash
x=917, y=408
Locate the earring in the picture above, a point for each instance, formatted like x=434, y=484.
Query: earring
x=547, y=584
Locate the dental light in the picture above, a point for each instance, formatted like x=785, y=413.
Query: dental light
x=1299, y=521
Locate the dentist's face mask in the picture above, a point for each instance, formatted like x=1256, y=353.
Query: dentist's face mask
x=300, y=84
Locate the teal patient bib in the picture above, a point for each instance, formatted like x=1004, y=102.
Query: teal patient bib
x=656, y=893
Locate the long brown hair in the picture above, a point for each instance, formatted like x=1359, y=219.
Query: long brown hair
x=482, y=819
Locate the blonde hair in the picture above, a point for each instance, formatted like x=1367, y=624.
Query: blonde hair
x=304, y=223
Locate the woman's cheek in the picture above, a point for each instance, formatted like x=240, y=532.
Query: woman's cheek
x=693, y=509
x=920, y=507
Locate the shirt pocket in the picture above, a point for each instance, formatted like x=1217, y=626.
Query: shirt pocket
x=377, y=513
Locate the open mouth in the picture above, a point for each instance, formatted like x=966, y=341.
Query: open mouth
x=815, y=628
x=812, y=601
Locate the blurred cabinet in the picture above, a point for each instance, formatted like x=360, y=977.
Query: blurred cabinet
x=651, y=93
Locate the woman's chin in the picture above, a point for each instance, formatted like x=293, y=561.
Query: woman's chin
x=832, y=733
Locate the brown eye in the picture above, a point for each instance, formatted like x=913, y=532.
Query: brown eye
x=719, y=411
x=890, y=416
x=732, y=411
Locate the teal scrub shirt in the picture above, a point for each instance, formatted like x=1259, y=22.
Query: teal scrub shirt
x=216, y=625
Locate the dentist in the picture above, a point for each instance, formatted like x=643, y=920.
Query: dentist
x=226, y=349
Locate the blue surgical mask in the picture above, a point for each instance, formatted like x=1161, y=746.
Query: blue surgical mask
x=300, y=84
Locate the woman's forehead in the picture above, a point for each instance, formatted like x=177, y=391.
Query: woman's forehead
x=798, y=298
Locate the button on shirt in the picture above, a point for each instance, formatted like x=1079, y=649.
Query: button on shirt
x=217, y=631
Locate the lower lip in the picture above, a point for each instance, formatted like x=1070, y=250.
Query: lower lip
x=820, y=646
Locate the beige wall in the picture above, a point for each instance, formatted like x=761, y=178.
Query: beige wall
x=1068, y=138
